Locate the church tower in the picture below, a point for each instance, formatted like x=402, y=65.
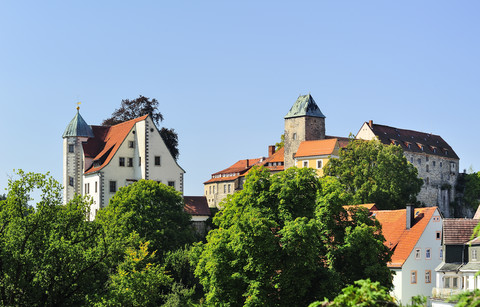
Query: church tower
x=75, y=134
x=304, y=122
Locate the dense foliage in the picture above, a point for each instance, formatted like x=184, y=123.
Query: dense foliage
x=140, y=106
x=286, y=239
x=375, y=173
x=49, y=255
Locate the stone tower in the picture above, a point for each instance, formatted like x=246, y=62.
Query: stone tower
x=304, y=122
x=75, y=134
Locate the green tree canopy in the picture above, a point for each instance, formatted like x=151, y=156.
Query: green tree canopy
x=49, y=253
x=274, y=248
x=140, y=106
x=154, y=211
x=376, y=173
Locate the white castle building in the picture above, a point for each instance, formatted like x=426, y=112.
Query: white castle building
x=98, y=160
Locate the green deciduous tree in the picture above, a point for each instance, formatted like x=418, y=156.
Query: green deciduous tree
x=363, y=293
x=138, y=281
x=273, y=248
x=154, y=211
x=376, y=173
x=140, y=106
x=49, y=254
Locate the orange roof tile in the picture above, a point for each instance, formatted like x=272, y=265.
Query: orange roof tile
x=108, y=142
x=397, y=237
x=370, y=207
x=316, y=148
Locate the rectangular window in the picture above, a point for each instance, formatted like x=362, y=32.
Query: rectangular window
x=113, y=186
x=96, y=187
x=454, y=282
x=213, y=189
x=441, y=253
x=413, y=277
x=426, y=158
x=305, y=163
x=85, y=188
x=210, y=190
x=474, y=254
x=228, y=188
x=131, y=144
x=427, y=168
x=70, y=181
x=419, y=161
x=438, y=235
x=433, y=163
x=139, y=161
x=441, y=164
x=130, y=162
x=224, y=189
x=428, y=276
x=428, y=253
x=157, y=160
x=71, y=148
x=446, y=282
x=121, y=161
x=319, y=164
x=88, y=188
x=171, y=183
x=418, y=253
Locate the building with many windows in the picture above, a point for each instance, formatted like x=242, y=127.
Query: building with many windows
x=98, y=160
x=435, y=160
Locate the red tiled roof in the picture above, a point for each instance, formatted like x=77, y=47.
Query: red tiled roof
x=458, y=231
x=432, y=144
x=342, y=141
x=316, y=148
x=196, y=205
x=106, y=143
x=398, y=238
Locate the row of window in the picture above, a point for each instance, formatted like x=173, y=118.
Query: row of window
x=319, y=164
x=428, y=253
x=421, y=147
x=414, y=279
x=87, y=187
x=121, y=161
x=113, y=185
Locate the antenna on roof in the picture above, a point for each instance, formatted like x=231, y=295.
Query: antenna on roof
x=78, y=105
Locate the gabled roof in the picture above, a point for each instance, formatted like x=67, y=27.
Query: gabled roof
x=242, y=167
x=458, y=231
x=305, y=106
x=78, y=127
x=316, y=148
x=399, y=239
x=233, y=172
x=106, y=142
x=413, y=141
x=196, y=205
x=369, y=207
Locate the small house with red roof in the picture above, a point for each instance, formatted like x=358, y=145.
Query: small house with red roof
x=414, y=236
x=98, y=160
x=315, y=154
x=436, y=162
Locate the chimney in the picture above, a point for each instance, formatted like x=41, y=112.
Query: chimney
x=247, y=163
x=271, y=150
x=410, y=216
x=370, y=123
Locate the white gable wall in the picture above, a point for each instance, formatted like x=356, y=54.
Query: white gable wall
x=427, y=240
x=365, y=133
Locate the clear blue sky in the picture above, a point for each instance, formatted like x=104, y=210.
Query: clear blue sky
x=226, y=72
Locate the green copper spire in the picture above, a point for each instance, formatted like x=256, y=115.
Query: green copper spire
x=78, y=127
x=305, y=106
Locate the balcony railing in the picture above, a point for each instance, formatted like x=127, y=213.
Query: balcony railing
x=443, y=293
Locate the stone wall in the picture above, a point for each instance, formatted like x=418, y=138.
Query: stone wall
x=439, y=176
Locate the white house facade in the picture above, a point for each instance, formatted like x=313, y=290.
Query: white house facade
x=98, y=160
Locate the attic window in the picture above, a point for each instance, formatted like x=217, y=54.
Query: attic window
x=71, y=148
x=131, y=144
x=446, y=152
